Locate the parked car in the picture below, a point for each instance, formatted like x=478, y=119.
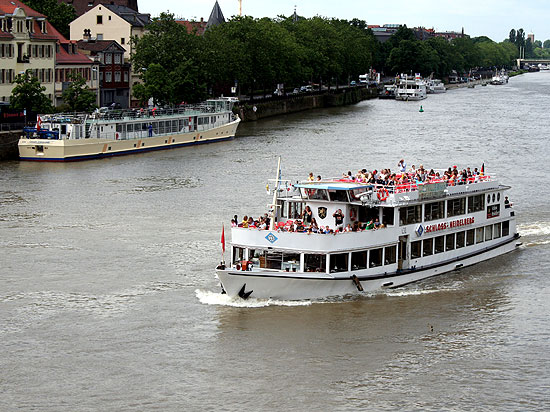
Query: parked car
x=353, y=83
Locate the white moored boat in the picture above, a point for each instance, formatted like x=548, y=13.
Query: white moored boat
x=411, y=89
x=70, y=137
x=435, y=86
x=425, y=229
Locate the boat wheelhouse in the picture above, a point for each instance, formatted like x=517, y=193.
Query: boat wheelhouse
x=423, y=230
x=70, y=137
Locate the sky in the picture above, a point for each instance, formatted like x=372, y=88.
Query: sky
x=490, y=18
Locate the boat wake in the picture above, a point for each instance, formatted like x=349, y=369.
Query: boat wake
x=534, y=229
x=535, y=233
x=207, y=297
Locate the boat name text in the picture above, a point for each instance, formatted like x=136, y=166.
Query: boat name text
x=449, y=225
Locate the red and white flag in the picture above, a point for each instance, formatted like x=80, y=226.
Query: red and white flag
x=223, y=239
x=38, y=123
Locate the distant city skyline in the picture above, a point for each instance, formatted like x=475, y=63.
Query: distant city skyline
x=490, y=18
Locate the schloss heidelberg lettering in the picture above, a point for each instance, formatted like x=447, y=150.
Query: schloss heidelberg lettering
x=449, y=225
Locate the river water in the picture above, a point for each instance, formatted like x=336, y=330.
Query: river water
x=108, y=299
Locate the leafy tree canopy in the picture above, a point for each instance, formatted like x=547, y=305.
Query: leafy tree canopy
x=77, y=96
x=29, y=94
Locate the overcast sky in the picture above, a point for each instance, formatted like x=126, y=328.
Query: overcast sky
x=480, y=17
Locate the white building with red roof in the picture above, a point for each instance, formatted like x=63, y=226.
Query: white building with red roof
x=25, y=43
x=29, y=42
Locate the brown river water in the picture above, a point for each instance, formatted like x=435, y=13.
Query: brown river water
x=109, y=302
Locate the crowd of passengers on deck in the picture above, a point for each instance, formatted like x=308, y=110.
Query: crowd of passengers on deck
x=307, y=224
x=411, y=176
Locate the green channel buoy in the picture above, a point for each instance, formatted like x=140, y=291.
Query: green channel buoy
x=421, y=109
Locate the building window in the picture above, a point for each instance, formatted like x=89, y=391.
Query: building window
x=108, y=58
x=99, y=36
x=117, y=77
x=117, y=58
x=99, y=19
x=122, y=40
x=126, y=77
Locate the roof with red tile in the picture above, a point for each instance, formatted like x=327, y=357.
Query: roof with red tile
x=8, y=7
x=200, y=26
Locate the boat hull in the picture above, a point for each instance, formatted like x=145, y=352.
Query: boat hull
x=70, y=150
x=298, y=286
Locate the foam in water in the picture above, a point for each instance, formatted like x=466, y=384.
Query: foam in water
x=211, y=298
x=534, y=229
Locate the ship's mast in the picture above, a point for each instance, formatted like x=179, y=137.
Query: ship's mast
x=240, y=7
x=274, y=205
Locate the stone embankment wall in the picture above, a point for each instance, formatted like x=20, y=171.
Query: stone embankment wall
x=8, y=145
x=299, y=103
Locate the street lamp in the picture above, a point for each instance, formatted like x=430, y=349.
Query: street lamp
x=96, y=71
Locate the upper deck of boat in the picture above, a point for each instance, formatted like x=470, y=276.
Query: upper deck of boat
x=393, y=194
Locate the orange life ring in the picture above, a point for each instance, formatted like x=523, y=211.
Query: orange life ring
x=383, y=194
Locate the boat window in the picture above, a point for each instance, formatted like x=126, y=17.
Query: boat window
x=439, y=244
x=498, y=197
x=339, y=262
x=155, y=127
x=476, y=203
x=450, y=241
x=271, y=260
x=315, y=263
x=375, y=258
x=338, y=195
x=470, y=235
x=317, y=194
x=174, y=126
x=359, y=260
x=489, y=232
x=434, y=211
x=428, y=247
x=416, y=249
x=479, y=235
x=291, y=262
x=295, y=210
x=460, y=236
x=64, y=129
x=161, y=127
x=506, y=228
x=496, y=230
x=456, y=207
x=282, y=208
x=366, y=214
x=387, y=216
x=238, y=254
x=390, y=254
x=409, y=215
x=130, y=127
x=355, y=194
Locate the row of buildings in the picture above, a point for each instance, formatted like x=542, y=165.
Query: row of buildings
x=99, y=48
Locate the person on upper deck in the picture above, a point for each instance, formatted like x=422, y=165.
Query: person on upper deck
x=310, y=178
x=402, y=166
x=307, y=215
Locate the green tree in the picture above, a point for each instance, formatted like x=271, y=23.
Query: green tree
x=29, y=94
x=546, y=44
x=512, y=36
x=77, y=96
x=538, y=43
x=59, y=14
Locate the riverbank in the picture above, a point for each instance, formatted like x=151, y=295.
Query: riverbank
x=8, y=145
x=248, y=111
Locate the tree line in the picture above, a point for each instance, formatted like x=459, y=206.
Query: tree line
x=259, y=53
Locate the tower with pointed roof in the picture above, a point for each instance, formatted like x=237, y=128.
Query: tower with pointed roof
x=216, y=17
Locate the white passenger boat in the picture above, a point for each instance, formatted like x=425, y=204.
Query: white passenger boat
x=411, y=89
x=426, y=229
x=70, y=137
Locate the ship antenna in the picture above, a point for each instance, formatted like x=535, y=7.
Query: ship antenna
x=274, y=205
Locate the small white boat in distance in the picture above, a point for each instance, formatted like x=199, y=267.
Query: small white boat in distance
x=395, y=234
x=435, y=86
x=411, y=89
